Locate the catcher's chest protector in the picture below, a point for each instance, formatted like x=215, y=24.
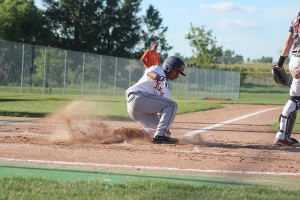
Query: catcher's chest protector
x=296, y=36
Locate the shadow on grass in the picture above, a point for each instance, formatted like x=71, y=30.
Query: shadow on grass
x=13, y=100
x=22, y=114
x=44, y=114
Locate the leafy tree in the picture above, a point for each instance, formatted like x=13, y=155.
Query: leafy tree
x=153, y=30
x=265, y=59
x=122, y=27
x=73, y=23
x=96, y=26
x=239, y=58
x=22, y=21
x=205, y=51
x=230, y=57
x=180, y=56
x=228, y=53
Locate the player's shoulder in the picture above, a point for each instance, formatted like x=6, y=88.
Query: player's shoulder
x=156, y=68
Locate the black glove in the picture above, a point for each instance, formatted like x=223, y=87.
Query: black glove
x=280, y=77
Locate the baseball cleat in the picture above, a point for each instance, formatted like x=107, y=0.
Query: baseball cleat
x=164, y=140
x=289, y=142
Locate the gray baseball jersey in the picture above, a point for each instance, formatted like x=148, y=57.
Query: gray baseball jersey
x=149, y=103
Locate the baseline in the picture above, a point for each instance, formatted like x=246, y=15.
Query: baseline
x=201, y=130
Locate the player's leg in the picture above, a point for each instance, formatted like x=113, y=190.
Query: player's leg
x=287, y=120
x=144, y=109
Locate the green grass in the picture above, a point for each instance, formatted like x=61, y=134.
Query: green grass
x=31, y=188
x=25, y=105
x=12, y=104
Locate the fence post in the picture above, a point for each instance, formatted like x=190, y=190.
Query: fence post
x=226, y=86
x=187, y=87
x=197, y=76
x=213, y=83
x=22, y=70
x=100, y=68
x=65, y=72
x=129, y=79
x=232, y=88
x=220, y=78
x=44, y=79
x=177, y=82
x=115, y=83
x=82, y=84
x=205, y=77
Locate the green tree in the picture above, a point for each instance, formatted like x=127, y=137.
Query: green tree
x=265, y=59
x=230, y=57
x=153, y=30
x=239, y=58
x=22, y=21
x=122, y=28
x=73, y=23
x=204, y=47
x=228, y=53
x=97, y=26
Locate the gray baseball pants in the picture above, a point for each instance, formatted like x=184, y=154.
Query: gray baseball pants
x=151, y=111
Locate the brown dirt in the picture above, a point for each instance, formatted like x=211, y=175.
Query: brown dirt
x=244, y=145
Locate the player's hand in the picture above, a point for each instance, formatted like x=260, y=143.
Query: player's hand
x=166, y=82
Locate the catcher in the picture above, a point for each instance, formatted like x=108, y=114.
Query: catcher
x=148, y=100
x=289, y=113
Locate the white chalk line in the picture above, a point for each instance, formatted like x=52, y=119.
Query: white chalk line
x=149, y=167
x=227, y=122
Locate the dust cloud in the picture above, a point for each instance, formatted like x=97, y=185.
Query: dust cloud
x=74, y=125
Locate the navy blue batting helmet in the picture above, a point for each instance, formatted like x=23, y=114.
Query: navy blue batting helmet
x=173, y=62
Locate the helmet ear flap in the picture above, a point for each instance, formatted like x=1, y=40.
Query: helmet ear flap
x=168, y=69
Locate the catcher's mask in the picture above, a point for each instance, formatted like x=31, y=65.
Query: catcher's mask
x=173, y=62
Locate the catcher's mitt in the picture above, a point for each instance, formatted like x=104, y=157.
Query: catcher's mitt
x=280, y=77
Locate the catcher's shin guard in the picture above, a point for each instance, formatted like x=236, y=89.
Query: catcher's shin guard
x=288, y=117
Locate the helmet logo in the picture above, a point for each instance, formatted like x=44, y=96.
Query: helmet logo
x=168, y=69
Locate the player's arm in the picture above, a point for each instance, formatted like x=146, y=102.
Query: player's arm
x=145, y=63
x=287, y=45
x=163, y=79
x=144, y=59
x=286, y=49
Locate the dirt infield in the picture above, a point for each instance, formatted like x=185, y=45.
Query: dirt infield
x=235, y=139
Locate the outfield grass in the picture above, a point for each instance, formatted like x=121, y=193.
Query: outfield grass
x=27, y=105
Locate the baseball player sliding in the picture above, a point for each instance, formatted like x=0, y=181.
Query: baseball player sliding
x=148, y=101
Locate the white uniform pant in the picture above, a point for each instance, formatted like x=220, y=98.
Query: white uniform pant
x=294, y=67
x=152, y=112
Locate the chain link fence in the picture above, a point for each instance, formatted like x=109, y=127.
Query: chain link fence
x=28, y=68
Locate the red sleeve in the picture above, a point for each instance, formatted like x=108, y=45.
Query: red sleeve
x=145, y=55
